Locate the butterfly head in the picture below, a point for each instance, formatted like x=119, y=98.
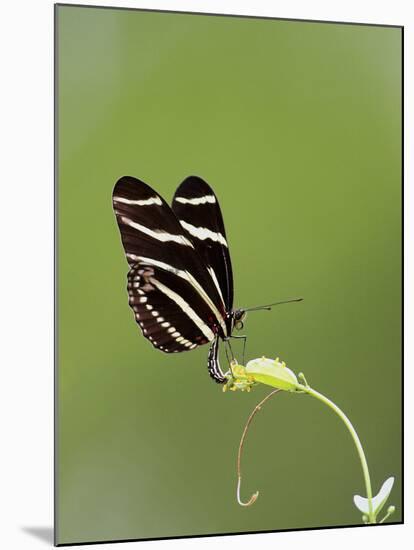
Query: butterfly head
x=239, y=315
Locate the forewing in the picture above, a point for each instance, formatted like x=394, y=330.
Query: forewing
x=197, y=208
x=148, y=226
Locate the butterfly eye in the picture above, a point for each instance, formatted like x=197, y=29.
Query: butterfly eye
x=239, y=325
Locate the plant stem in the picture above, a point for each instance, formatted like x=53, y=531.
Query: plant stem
x=389, y=513
x=354, y=436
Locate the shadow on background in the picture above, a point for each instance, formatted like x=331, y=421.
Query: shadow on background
x=42, y=533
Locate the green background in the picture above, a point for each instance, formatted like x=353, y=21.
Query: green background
x=297, y=126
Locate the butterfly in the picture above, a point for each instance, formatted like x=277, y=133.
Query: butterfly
x=180, y=279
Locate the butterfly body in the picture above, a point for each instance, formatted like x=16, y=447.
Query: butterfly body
x=180, y=281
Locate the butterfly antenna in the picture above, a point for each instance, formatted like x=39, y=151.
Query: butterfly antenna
x=269, y=306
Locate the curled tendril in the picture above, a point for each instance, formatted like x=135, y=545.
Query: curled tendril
x=257, y=408
x=251, y=500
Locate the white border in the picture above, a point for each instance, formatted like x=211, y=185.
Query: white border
x=26, y=126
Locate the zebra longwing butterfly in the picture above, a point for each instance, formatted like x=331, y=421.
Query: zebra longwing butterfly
x=180, y=281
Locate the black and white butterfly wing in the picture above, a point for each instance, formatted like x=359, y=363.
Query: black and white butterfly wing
x=165, y=317
x=198, y=211
x=174, y=297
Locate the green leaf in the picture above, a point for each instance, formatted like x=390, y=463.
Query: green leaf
x=378, y=501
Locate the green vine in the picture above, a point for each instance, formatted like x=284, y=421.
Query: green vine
x=275, y=373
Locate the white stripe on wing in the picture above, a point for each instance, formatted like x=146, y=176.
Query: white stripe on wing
x=208, y=333
x=162, y=236
x=199, y=200
x=213, y=276
x=203, y=233
x=143, y=202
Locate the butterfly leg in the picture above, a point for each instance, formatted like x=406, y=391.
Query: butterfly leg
x=227, y=354
x=244, y=338
x=232, y=358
